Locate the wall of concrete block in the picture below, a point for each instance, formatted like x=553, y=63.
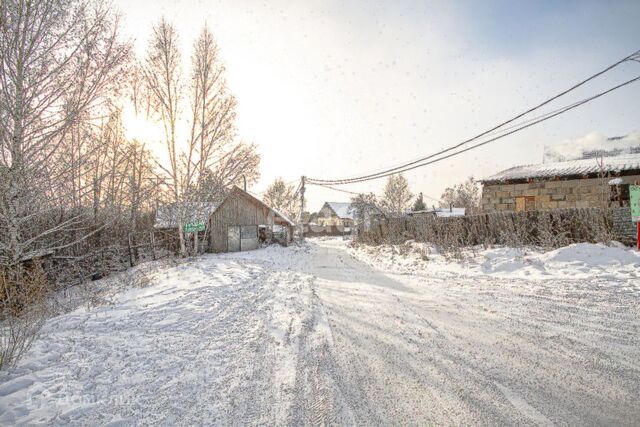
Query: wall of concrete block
x=622, y=224
x=573, y=193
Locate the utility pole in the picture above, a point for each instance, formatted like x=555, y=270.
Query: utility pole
x=300, y=225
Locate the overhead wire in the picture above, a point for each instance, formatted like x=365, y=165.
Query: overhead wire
x=497, y=128
x=417, y=164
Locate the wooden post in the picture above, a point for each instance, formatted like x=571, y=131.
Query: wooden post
x=153, y=245
x=129, y=247
x=301, y=226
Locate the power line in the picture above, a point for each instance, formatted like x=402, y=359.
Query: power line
x=357, y=194
x=413, y=165
x=489, y=131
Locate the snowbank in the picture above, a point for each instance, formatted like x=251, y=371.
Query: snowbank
x=582, y=260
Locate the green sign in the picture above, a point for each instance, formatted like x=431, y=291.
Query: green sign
x=193, y=227
x=634, y=197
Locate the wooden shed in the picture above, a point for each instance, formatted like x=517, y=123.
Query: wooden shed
x=242, y=221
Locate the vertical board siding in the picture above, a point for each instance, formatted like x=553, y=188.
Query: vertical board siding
x=237, y=209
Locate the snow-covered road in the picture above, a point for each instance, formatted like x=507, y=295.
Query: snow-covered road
x=325, y=334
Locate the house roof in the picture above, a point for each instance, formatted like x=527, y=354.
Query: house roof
x=571, y=168
x=342, y=209
x=191, y=212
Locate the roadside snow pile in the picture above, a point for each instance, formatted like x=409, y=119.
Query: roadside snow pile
x=581, y=260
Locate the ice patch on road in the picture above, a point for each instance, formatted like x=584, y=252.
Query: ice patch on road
x=521, y=405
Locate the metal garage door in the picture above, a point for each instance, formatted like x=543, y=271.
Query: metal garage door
x=248, y=237
x=233, y=238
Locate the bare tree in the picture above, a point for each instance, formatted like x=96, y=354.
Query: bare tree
x=58, y=63
x=162, y=74
x=364, y=205
x=464, y=195
x=210, y=159
x=282, y=197
x=396, y=195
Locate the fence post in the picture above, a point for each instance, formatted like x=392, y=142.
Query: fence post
x=129, y=249
x=153, y=245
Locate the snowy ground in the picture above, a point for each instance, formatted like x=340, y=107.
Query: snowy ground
x=329, y=334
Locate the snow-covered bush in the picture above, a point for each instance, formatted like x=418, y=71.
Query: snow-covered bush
x=23, y=311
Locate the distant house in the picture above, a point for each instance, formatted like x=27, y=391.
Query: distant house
x=240, y=222
x=585, y=182
x=438, y=212
x=336, y=214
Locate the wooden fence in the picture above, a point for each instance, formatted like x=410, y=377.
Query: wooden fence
x=550, y=228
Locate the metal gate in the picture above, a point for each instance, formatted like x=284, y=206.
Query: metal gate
x=248, y=237
x=233, y=238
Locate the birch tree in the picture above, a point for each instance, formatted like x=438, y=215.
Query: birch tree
x=163, y=78
x=396, y=196
x=59, y=61
x=464, y=195
x=282, y=197
x=58, y=64
x=208, y=159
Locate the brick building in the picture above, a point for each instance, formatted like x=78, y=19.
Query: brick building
x=582, y=183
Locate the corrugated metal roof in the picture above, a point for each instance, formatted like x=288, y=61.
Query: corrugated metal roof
x=573, y=167
x=191, y=212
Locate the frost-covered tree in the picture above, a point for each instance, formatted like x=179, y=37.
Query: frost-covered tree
x=364, y=205
x=419, y=205
x=396, y=196
x=282, y=197
x=203, y=163
x=59, y=62
x=463, y=195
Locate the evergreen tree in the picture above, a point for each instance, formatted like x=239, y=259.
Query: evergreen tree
x=419, y=205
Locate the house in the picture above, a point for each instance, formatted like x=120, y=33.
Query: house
x=579, y=183
x=334, y=214
x=240, y=222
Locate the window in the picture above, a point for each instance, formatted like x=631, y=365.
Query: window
x=525, y=203
x=619, y=194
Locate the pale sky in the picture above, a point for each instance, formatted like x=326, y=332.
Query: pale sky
x=332, y=89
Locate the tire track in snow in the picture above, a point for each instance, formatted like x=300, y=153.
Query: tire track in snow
x=318, y=399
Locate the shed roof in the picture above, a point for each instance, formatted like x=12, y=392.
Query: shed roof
x=571, y=168
x=167, y=216
x=342, y=209
x=191, y=212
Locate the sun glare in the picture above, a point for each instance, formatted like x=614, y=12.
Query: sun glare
x=140, y=128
